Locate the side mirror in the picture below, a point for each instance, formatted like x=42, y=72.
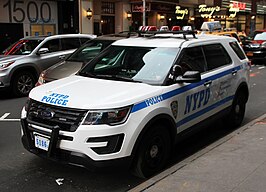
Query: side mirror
x=42, y=51
x=175, y=72
x=190, y=77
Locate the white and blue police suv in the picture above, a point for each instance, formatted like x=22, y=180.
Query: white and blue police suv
x=136, y=99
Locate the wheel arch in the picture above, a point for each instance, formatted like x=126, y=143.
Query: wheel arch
x=164, y=119
x=243, y=87
x=30, y=69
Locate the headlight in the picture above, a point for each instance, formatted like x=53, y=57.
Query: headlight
x=4, y=65
x=110, y=116
x=263, y=45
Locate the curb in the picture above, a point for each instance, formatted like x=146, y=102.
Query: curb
x=157, y=178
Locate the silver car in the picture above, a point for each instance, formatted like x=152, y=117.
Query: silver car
x=80, y=57
x=22, y=62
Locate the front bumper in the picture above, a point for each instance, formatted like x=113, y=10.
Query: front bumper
x=65, y=156
x=4, y=79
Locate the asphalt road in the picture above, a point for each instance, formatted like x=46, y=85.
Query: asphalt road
x=22, y=171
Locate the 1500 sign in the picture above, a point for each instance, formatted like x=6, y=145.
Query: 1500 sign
x=32, y=11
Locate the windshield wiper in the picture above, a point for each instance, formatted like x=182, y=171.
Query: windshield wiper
x=117, y=77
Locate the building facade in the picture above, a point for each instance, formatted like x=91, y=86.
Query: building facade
x=19, y=18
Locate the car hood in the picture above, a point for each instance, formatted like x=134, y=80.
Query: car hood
x=62, y=69
x=6, y=58
x=90, y=93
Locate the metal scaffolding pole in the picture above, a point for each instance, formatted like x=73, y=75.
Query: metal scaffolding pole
x=144, y=13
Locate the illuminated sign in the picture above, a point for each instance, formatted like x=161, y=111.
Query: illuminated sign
x=139, y=8
x=207, y=12
x=240, y=5
x=181, y=12
x=235, y=7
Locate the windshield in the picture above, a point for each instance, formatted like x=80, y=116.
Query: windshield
x=260, y=36
x=141, y=64
x=22, y=47
x=88, y=51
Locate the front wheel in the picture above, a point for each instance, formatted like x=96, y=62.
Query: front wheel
x=153, y=152
x=22, y=83
x=237, y=113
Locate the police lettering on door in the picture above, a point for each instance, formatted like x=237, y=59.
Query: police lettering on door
x=197, y=100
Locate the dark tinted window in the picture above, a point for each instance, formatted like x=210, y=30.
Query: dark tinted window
x=52, y=45
x=70, y=43
x=192, y=59
x=216, y=56
x=84, y=40
x=238, y=50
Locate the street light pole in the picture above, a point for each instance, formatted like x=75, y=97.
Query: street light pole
x=144, y=13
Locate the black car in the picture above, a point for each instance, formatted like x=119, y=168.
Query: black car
x=79, y=58
x=255, y=49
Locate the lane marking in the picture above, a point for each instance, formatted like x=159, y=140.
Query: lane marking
x=3, y=118
x=261, y=67
x=5, y=115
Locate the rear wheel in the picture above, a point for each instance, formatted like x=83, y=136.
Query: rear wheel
x=153, y=152
x=22, y=83
x=237, y=113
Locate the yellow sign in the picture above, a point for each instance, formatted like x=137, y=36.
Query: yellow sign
x=207, y=12
x=181, y=12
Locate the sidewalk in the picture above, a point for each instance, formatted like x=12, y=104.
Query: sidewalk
x=235, y=163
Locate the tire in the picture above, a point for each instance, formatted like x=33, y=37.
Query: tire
x=237, y=112
x=153, y=152
x=22, y=83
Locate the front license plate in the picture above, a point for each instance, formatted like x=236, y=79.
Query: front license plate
x=41, y=142
x=250, y=54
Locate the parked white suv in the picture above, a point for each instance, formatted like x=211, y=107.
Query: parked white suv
x=134, y=100
x=22, y=62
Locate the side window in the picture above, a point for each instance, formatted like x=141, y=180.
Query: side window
x=235, y=46
x=53, y=45
x=70, y=43
x=192, y=59
x=216, y=56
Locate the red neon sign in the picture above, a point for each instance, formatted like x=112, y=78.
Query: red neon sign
x=240, y=5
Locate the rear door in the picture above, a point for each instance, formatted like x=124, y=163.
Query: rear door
x=220, y=76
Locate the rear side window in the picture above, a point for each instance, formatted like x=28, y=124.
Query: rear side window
x=216, y=56
x=70, y=43
x=237, y=49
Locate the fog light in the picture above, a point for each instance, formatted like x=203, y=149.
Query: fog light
x=114, y=144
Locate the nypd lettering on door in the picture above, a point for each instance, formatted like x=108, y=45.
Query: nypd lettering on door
x=197, y=100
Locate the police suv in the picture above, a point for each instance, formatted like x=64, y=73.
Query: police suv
x=135, y=100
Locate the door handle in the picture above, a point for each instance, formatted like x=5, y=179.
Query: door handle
x=62, y=56
x=208, y=83
x=234, y=72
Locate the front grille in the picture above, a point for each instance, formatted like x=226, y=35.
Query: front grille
x=67, y=119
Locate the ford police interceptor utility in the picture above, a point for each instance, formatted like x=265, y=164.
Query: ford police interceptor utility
x=136, y=99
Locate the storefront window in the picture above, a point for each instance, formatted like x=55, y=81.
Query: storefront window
x=45, y=29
